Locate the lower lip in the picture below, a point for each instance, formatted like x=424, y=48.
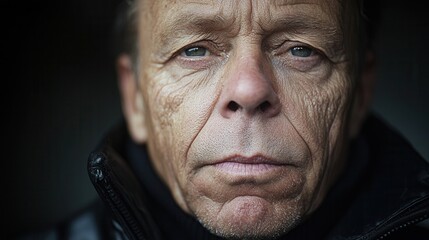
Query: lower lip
x=243, y=169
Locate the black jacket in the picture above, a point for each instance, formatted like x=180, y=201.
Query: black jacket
x=384, y=194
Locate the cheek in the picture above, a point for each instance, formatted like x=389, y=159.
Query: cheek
x=183, y=105
x=315, y=106
x=318, y=113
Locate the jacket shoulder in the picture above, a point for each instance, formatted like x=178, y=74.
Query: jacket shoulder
x=415, y=232
x=91, y=222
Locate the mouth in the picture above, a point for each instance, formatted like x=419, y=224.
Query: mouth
x=248, y=166
x=257, y=175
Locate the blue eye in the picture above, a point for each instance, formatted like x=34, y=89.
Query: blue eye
x=301, y=51
x=195, y=52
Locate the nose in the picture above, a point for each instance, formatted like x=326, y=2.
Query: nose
x=248, y=90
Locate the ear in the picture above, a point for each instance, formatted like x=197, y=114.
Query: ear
x=363, y=95
x=131, y=99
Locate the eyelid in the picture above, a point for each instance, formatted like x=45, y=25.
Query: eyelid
x=287, y=46
x=173, y=50
x=216, y=52
x=283, y=55
x=207, y=44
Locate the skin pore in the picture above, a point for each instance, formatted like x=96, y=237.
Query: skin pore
x=247, y=107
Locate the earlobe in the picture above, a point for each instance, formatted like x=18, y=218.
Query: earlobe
x=131, y=99
x=363, y=95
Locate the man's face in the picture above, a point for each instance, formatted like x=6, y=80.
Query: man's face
x=246, y=107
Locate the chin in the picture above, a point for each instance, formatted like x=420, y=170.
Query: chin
x=251, y=217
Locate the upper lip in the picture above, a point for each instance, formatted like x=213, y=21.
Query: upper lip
x=256, y=159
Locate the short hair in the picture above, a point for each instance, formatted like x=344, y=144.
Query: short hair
x=370, y=11
x=124, y=39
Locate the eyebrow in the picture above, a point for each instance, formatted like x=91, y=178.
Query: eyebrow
x=188, y=22
x=296, y=19
x=191, y=20
x=325, y=28
x=308, y=26
x=297, y=23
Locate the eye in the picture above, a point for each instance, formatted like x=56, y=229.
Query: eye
x=194, y=52
x=299, y=56
x=301, y=51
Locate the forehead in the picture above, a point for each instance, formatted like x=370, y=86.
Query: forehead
x=164, y=20
x=168, y=4
x=165, y=17
x=258, y=11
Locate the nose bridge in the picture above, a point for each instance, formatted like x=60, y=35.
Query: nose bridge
x=249, y=87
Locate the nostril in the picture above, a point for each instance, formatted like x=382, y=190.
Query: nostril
x=233, y=106
x=264, y=106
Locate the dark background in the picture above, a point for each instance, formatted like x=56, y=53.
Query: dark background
x=60, y=96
